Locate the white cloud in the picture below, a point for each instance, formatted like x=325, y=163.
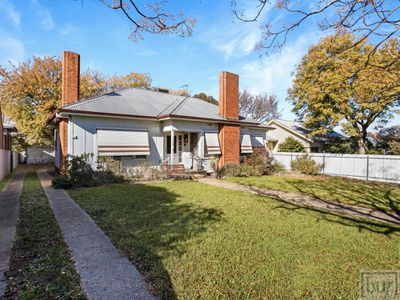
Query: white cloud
x=233, y=38
x=11, y=49
x=11, y=12
x=43, y=15
x=68, y=29
x=274, y=74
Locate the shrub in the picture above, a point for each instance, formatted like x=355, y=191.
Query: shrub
x=259, y=162
x=305, y=165
x=277, y=167
x=229, y=170
x=291, y=145
x=78, y=172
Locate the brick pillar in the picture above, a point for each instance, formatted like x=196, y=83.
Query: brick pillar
x=229, y=134
x=70, y=94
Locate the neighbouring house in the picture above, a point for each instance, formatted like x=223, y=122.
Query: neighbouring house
x=141, y=125
x=7, y=128
x=282, y=129
x=8, y=160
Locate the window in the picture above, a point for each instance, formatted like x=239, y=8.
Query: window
x=245, y=144
x=212, y=143
x=122, y=142
x=314, y=149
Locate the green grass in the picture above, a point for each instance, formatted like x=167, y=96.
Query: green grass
x=40, y=266
x=193, y=241
x=379, y=196
x=5, y=181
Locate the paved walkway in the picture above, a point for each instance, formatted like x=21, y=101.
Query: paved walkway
x=9, y=211
x=304, y=200
x=105, y=274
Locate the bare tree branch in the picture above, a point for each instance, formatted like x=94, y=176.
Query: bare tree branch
x=152, y=18
x=369, y=19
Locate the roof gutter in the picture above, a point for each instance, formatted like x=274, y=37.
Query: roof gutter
x=61, y=113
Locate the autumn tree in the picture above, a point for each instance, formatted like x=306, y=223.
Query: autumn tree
x=205, y=97
x=31, y=91
x=332, y=88
x=260, y=107
x=388, y=139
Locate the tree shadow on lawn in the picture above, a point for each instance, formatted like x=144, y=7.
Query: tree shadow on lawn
x=147, y=223
x=345, y=220
x=380, y=197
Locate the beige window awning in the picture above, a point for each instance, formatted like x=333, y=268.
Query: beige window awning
x=212, y=143
x=245, y=143
x=257, y=141
x=122, y=142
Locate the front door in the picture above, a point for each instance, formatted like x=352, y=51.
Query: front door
x=178, y=147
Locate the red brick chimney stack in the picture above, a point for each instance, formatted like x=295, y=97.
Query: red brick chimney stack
x=70, y=94
x=229, y=95
x=70, y=77
x=229, y=134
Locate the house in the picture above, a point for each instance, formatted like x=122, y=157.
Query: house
x=141, y=125
x=7, y=127
x=283, y=129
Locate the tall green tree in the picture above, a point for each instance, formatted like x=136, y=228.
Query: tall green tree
x=340, y=85
x=31, y=91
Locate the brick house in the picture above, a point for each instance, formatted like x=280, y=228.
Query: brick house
x=138, y=125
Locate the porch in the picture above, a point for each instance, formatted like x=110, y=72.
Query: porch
x=190, y=150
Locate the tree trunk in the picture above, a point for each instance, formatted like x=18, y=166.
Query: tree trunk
x=362, y=142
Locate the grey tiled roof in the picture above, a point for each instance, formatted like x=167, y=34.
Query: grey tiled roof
x=301, y=129
x=148, y=103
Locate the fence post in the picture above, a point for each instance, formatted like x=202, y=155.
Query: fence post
x=367, y=167
x=323, y=163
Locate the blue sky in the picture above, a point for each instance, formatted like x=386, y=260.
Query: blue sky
x=100, y=35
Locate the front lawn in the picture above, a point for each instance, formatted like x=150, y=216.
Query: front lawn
x=40, y=267
x=379, y=196
x=193, y=241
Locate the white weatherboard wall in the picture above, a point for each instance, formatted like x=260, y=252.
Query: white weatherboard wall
x=385, y=168
x=83, y=132
x=4, y=163
x=5, y=156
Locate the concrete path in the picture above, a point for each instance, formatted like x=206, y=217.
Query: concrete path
x=304, y=200
x=105, y=274
x=9, y=211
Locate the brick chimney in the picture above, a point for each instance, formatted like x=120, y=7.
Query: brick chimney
x=70, y=94
x=229, y=134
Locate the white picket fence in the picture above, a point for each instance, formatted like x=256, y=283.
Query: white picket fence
x=5, y=161
x=384, y=168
